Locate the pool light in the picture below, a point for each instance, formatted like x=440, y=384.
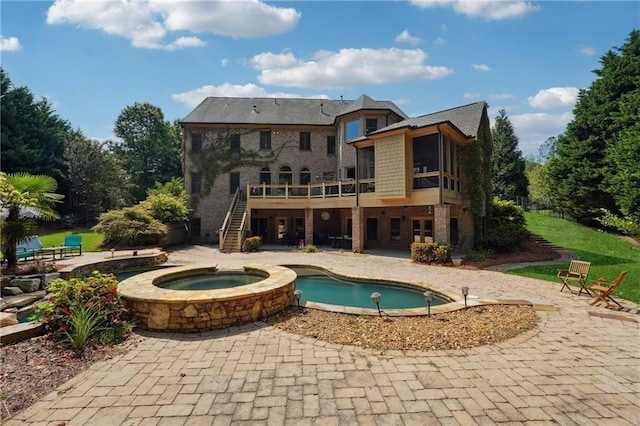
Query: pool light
x=429, y=296
x=375, y=296
x=465, y=293
x=298, y=295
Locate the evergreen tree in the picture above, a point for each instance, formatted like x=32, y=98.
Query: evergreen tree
x=32, y=134
x=150, y=147
x=508, y=166
x=595, y=162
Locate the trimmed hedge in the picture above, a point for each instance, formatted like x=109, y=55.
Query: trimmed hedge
x=430, y=253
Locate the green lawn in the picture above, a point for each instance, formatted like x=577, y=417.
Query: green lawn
x=609, y=254
x=90, y=240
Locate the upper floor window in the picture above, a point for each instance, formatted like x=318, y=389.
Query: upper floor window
x=331, y=145
x=305, y=141
x=352, y=129
x=265, y=139
x=234, y=144
x=351, y=173
x=367, y=163
x=196, y=142
x=265, y=175
x=234, y=182
x=426, y=154
x=371, y=125
x=285, y=175
x=196, y=183
x=305, y=176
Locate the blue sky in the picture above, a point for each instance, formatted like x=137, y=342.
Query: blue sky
x=91, y=59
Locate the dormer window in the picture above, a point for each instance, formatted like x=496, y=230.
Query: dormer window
x=352, y=129
x=371, y=125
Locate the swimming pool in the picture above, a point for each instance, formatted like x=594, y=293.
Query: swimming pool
x=321, y=286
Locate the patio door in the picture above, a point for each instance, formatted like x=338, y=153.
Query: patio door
x=422, y=230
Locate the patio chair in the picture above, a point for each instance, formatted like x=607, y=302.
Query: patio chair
x=603, y=290
x=578, y=271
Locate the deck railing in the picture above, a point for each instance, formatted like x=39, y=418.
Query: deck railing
x=337, y=189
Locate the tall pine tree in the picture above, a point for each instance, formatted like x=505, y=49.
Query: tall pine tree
x=595, y=163
x=508, y=166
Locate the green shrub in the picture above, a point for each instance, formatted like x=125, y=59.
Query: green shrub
x=131, y=226
x=310, y=248
x=507, y=228
x=430, y=253
x=252, y=244
x=166, y=207
x=81, y=309
x=479, y=255
x=626, y=225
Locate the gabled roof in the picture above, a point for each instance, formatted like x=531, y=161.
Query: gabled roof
x=281, y=111
x=266, y=111
x=364, y=102
x=466, y=118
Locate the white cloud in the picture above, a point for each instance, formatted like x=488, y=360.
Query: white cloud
x=146, y=23
x=404, y=36
x=533, y=129
x=489, y=10
x=439, y=41
x=588, y=51
x=224, y=62
x=9, y=44
x=554, y=97
x=469, y=96
x=193, y=97
x=346, y=68
x=500, y=96
x=481, y=67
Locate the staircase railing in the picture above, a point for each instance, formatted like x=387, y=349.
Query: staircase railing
x=222, y=233
x=241, y=231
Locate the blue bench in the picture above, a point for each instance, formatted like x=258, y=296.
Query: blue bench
x=31, y=248
x=71, y=243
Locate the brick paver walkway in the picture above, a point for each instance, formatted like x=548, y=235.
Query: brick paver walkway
x=581, y=366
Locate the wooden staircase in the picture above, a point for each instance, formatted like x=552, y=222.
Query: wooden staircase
x=231, y=243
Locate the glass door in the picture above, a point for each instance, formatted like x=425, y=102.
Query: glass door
x=422, y=230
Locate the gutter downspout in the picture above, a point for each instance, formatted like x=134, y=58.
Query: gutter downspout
x=440, y=164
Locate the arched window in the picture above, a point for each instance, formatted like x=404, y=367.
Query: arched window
x=265, y=175
x=285, y=175
x=305, y=176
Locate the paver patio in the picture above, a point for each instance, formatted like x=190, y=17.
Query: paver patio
x=580, y=366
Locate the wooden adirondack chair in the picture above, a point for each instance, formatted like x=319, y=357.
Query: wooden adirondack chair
x=578, y=271
x=603, y=290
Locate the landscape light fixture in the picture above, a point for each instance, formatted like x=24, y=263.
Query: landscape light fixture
x=375, y=296
x=113, y=251
x=465, y=293
x=429, y=296
x=298, y=295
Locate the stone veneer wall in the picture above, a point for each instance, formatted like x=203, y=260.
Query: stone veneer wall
x=194, y=316
x=114, y=264
x=156, y=308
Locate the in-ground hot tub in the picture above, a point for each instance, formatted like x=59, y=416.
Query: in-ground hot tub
x=156, y=308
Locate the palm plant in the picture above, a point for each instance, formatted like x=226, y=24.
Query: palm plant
x=20, y=192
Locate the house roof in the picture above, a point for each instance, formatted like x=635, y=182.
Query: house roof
x=367, y=103
x=283, y=111
x=466, y=118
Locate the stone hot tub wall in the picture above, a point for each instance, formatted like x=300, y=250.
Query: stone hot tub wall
x=156, y=308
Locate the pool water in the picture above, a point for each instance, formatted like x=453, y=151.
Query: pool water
x=212, y=281
x=323, y=288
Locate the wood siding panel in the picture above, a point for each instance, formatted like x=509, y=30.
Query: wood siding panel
x=391, y=168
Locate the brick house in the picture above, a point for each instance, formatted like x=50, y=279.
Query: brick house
x=356, y=174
